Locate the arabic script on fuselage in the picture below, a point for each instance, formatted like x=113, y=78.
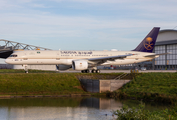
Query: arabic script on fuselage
x=76, y=52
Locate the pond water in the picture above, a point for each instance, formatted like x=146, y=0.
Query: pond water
x=64, y=108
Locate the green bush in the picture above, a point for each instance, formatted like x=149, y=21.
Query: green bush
x=132, y=113
x=141, y=113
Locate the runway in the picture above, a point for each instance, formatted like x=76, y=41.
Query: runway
x=119, y=71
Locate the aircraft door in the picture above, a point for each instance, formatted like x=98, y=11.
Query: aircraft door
x=58, y=55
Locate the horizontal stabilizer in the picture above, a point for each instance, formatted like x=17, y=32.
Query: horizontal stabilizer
x=110, y=57
x=157, y=54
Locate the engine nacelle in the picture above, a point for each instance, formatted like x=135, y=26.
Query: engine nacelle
x=80, y=65
x=63, y=67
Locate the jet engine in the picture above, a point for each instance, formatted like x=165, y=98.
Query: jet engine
x=63, y=67
x=80, y=65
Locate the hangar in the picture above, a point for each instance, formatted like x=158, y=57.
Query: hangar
x=7, y=47
x=166, y=42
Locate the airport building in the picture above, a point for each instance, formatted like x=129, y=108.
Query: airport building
x=166, y=42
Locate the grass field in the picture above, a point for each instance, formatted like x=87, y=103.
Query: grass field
x=161, y=83
x=151, y=86
x=38, y=83
x=22, y=71
x=16, y=82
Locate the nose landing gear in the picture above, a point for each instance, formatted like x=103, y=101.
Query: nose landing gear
x=25, y=68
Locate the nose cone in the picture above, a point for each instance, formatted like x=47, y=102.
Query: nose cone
x=8, y=61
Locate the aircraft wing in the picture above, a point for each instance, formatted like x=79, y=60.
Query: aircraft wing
x=157, y=54
x=101, y=60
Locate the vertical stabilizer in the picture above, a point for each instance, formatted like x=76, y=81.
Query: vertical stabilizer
x=148, y=43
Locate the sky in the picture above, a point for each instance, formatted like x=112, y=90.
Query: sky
x=84, y=24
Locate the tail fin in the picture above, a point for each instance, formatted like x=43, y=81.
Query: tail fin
x=148, y=43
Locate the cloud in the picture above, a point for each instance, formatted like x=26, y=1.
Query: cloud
x=85, y=21
x=6, y=5
x=23, y=1
x=98, y=1
x=58, y=25
x=39, y=6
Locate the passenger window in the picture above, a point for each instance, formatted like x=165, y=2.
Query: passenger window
x=13, y=55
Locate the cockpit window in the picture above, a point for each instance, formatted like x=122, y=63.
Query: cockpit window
x=13, y=55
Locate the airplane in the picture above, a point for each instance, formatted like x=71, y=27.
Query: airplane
x=87, y=61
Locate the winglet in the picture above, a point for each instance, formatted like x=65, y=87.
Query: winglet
x=148, y=43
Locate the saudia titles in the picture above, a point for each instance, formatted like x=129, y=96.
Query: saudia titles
x=148, y=43
x=75, y=52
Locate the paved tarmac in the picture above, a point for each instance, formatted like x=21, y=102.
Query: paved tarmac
x=119, y=71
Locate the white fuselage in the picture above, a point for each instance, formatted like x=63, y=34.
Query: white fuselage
x=45, y=57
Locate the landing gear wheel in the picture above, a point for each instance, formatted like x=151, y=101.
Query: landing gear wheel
x=25, y=68
x=87, y=71
x=98, y=71
x=93, y=71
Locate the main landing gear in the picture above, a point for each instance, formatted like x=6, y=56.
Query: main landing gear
x=92, y=71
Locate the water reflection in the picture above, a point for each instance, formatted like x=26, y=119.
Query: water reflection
x=69, y=108
x=101, y=103
x=57, y=108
